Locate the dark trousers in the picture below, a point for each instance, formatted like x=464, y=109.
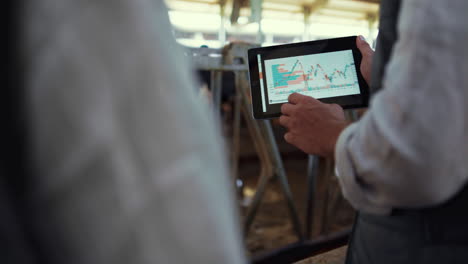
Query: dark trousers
x=432, y=235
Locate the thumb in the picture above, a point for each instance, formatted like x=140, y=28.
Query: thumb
x=363, y=46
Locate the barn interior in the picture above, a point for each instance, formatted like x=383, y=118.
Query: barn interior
x=291, y=205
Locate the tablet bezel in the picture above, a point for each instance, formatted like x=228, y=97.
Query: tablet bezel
x=299, y=49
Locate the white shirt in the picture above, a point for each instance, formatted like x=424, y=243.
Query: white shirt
x=129, y=165
x=411, y=148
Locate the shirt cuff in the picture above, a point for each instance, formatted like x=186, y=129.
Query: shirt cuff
x=353, y=190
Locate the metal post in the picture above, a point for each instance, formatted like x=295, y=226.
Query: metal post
x=306, y=10
x=312, y=171
x=256, y=11
x=236, y=136
x=272, y=165
x=281, y=173
x=216, y=88
x=222, y=27
x=371, y=20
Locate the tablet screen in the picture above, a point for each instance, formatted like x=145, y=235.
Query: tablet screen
x=326, y=70
x=321, y=75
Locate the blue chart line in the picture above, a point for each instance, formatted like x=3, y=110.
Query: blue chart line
x=282, y=78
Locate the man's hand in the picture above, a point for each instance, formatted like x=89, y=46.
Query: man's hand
x=367, y=54
x=312, y=126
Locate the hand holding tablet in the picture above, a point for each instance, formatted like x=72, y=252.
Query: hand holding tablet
x=312, y=126
x=327, y=70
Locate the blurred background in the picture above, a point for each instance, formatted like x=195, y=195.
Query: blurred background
x=285, y=197
x=268, y=22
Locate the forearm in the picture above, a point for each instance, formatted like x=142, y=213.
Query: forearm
x=409, y=150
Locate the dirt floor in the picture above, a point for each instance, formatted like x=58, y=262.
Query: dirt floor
x=336, y=256
x=272, y=228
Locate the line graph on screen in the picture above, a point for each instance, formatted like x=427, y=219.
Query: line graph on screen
x=282, y=77
x=318, y=75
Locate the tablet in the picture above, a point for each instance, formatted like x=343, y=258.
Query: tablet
x=328, y=70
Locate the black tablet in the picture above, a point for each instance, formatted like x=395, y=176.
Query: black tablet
x=328, y=70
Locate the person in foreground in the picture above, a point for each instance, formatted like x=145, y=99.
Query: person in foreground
x=404, y=165
x=127, y=164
